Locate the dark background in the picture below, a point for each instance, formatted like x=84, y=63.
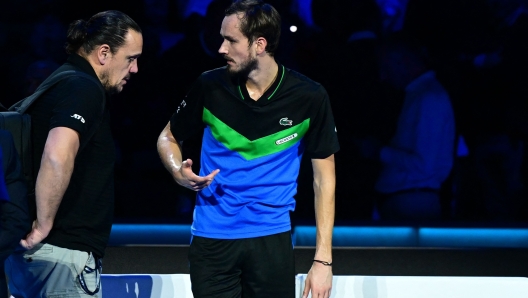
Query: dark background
x=478, y=48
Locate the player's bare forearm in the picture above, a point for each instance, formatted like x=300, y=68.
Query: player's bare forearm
x=324, y=190
x=52, y=182
x=170, y=152
x=319, y=278
x=56, y=168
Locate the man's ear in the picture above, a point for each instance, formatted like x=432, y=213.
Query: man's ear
x=261, y=43
x=103, y=54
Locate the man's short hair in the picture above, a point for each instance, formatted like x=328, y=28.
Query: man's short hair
x=107, y=27
x=258, y=19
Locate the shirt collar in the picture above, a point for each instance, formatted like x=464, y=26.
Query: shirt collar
x=82, y=63
x=244, y=94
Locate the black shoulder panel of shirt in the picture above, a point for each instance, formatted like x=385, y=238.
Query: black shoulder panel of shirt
x=296, y=97
x=81, y=64
x=75, y=102
x=78, y=63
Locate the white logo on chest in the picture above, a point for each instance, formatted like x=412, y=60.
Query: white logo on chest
x=182, y=105
x=286, y=139
x=78, y=117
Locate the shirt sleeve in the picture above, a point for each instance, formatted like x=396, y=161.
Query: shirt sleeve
x=80, y=107
x=187, y=119
x=321, y=140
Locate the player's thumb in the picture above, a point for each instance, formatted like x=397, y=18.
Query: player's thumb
x=25, y=243
x=187, y=163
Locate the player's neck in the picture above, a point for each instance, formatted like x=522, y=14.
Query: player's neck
x=260, y=79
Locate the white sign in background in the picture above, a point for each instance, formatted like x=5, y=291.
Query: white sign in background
x=423, y=287
x=179, y=286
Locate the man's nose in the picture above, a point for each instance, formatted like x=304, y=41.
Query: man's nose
x=134, y=68
x=222, y=49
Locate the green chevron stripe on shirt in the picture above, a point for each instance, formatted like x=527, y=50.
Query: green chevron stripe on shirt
x=267, y=145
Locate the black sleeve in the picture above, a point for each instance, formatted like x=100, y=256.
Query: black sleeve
x=14, y=216
x=187, y=119
x=80, y=107
x=4, y=196
x=321, y=139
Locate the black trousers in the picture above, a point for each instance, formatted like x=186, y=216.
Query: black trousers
x=248, y=268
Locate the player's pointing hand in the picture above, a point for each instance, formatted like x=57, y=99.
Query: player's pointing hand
x=187, y=178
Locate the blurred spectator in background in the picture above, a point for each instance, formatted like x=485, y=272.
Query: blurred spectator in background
x=37, y=72
x=194, y=54
x=14, y=218
x=420, y=155
x=47, y=39
x=168, y=73
x=27, y=43
x=347, y=66
x=393, y=14
x=493, y=185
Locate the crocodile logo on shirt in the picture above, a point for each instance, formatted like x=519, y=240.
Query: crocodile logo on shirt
x=284, y=121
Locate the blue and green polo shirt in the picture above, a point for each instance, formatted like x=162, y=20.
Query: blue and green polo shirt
x=257, y=145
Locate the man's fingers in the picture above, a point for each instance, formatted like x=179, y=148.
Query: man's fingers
x=207, y=179
x=193, y=181
x=319, y=293
x=212, y=174
x=24, y=244
x=34, y=237
x=307, y=287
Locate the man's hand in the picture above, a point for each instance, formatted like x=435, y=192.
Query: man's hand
x=318, y=281
x=37, y=234
x=187, y=178
x=170, y=153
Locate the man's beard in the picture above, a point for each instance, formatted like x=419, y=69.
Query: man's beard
x=245, y=68
x=110, y=89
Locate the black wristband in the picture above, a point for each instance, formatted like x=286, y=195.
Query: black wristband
x=323, y=262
